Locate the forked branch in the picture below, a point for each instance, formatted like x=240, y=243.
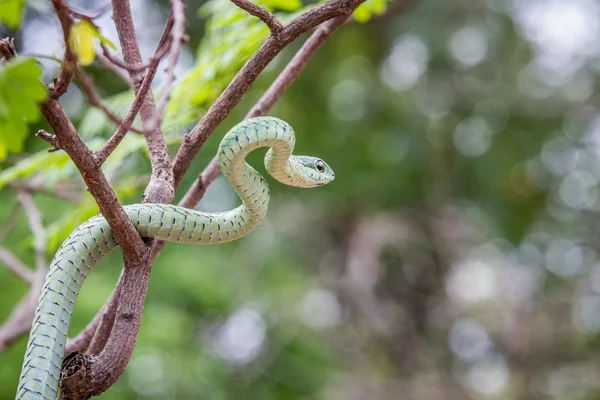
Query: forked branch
x=262, y=13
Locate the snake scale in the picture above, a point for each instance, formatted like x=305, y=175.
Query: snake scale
x=94, y=238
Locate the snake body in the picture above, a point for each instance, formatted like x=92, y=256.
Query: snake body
x=94, y=238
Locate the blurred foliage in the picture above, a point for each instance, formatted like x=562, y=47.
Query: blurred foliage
x=368, y=9
x=11, y=12
x=455, y=256
x=20, y=95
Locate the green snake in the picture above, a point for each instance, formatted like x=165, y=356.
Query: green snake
x=94, y=238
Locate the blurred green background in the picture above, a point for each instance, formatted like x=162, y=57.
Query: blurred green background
x=455, y=256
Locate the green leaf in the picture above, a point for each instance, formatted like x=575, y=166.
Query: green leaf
x=81, y=40
x=11, y=12
x=20, y=94
x=106, y=41
x=285, y=5
x=366, y=10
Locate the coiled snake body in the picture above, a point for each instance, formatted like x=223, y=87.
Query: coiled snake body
x=94, y=238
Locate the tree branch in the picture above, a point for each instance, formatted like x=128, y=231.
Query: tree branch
x=51, y=139
x=262, y=13
x=248, y=74
x=84, y=376
x=90, y=91
x=98, y=330
x=113, y=142
x=114, y=60
x=160, y=189
x=71, y=142
x=65, y=74
x=130, y=303
x=177, y=39
x=95, y=180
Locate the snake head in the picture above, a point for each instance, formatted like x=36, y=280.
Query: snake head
x=312, y=171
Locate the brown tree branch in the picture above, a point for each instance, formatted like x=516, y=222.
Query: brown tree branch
x=114, y=60
x=71, y=142
x=85, y=376
x=117, y=137
x=115, y=69
x=200, y=185
x=65, y=74
x=87, y=84
x=98, y=330
x=177, y=39
x=160, y=189
x=95, y=180
x=129, y=308
x=7, y=49
x=242, y=82
x=50, y=138
x=262, y=13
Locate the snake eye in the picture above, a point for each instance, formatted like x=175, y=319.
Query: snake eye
x=320, y=166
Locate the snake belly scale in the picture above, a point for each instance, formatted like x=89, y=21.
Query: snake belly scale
x=94, y=238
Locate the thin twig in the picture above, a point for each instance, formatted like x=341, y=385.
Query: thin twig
x=50, y=138
x=87, y=84
x=65, y=74
x=15, y=266
x=121, y=64
x=177, y=39
x=115, y=69
x=160, y=189
x=262, y=13
x=295, y=66
x=102, y=154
